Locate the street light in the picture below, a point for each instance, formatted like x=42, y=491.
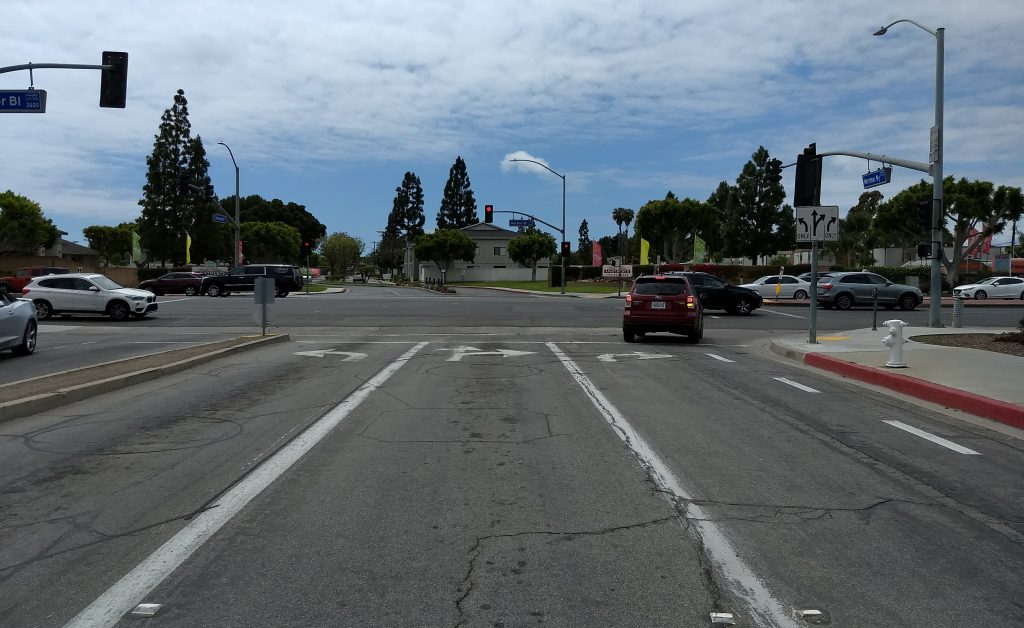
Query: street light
x=562, y=177
x=238, y=236
x=935, y=157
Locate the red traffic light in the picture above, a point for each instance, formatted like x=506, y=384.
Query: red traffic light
x=566, y=248
x=488, y=213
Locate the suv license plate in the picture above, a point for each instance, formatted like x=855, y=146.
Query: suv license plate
x=657, y=305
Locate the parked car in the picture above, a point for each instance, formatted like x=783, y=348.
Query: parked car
x=992, y=288
x=844, y=290
x=790, y=287
x=174, y=283
x=716, y=294
x=15, y=283
x=807, y=276
x=359, y=277
x=243, y=279
x=88, y=293
x=18, y=328
x=662, y=303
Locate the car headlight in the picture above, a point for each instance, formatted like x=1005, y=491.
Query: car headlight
x=137, y=298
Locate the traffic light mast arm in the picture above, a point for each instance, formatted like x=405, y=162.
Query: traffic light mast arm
x=59, y=66
x=219, y=206
x=896, y=161
x=532, y=217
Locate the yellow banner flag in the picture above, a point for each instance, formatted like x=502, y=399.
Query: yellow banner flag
x=645, y=250
x=188, y=249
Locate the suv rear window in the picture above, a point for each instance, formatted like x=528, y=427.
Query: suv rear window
x=663, y=287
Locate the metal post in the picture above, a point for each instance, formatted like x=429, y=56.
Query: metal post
x=563, y=231
x=874, y=309
x=935, y=304
x=309, y=273
x=813, y=335
x=238, y=236
x=1013, y=245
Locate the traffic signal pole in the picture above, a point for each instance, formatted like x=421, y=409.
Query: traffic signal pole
x=113, y=81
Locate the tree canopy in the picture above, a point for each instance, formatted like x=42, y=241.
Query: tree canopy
x=458, y=205
x=23, y=227
x=444, y=247
x=271, y=242
x=758, y=223
x=406, y=218
x=530, y=248
x=114, y=244
x=339, y=251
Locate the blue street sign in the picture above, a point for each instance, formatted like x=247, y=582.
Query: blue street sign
x=221, y=218
x=23, y=101
x=521, y=222
x=876, y=178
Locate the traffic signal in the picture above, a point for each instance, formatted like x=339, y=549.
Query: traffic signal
x=924, y=250
x=566, y=249
x=307, y=248
x=114, y=82
x=774, y=171
x=924, y=215
x=807, y=188
x=488, y=213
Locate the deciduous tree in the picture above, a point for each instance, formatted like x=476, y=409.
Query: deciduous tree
x=444, y=247
x=530, y=248
x=339, y=251
x=271, y=242
x=23, y=227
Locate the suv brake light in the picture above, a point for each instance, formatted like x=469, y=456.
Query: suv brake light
x=690, y=303
x=629, y=300
x=24, y=290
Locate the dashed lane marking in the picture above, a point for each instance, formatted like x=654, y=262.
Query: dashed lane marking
x=938, y=440
x=796, y=384
x=719, y=358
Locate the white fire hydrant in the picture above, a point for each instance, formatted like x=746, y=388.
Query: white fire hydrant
x=895, y=342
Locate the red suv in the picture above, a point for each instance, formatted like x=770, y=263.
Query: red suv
x=662, y=303
x=16, y=282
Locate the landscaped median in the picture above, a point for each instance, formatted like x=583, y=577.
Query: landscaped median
x=39, y=394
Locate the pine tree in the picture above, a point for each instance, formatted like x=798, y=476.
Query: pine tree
x=170, y=207
x=458, y=206
x=584, y=241
x=757, y=223
x=407, y=218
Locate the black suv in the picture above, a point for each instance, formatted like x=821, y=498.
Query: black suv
x=716, y=294
x=243, y=279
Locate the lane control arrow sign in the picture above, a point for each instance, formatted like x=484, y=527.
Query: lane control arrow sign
x=639, y=355
x=351, y=356
x=817, y=224
x=459, y=352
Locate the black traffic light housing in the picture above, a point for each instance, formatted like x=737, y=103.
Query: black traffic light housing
x=114, y=82
x=566, y=249
x=488, y=213
x=807, y=188
x=924, y=251
x=924, y=215
x=307, y=248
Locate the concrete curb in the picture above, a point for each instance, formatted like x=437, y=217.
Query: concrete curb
x=523, y=291
x=47, y=401
x=1001, y=411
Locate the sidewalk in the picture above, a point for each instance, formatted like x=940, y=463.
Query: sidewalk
x=983, y=383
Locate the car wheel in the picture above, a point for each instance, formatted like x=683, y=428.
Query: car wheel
x=628, y=334
x=4, y=288
x=980, y=295
x=190, y=291
x=28, y=340
x=213, y=290
x=844, y=302
x=694, y=335
x=743, y=307
x=118, y=311
x=43, y=310
x=908, y=302
x=799, y=295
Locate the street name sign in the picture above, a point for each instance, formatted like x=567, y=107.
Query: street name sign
x=521, y=222
x=23, y=101
x=221, y=218
x=876, y=178
x=817, y=223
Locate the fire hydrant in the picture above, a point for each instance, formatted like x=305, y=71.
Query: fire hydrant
x=895, y=342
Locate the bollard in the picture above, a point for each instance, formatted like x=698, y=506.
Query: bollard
x=874, y=309
x=958, y=309
x=895, y=342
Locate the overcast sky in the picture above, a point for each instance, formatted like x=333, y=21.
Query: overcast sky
x=328, y=104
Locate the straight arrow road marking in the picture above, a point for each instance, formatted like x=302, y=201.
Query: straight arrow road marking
x=796, y=385
x=720, y=358
x=938, y=440
x=639, y=355
x=351, y=355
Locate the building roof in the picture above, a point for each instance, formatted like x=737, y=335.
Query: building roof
x=488, y=231
x=70, y=248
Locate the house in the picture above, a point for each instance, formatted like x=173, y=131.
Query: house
x=63, y=253
x=491, y=263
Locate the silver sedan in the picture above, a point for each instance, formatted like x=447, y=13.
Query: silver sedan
x=790, y=287
x=18, y=329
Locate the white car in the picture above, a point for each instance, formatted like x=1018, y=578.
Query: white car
x=789, y=288
x=992, y=288
x=87, y=293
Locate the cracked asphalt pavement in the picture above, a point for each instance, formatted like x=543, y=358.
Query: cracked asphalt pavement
x=459, y=486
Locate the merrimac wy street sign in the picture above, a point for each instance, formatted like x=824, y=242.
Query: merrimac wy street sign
x=221, y=218
x=521, y=222
x=817, y=224
x=23, y=101
x=876, y=178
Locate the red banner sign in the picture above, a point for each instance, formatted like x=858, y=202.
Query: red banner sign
x=596, y=258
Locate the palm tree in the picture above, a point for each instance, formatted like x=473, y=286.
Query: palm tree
x=622, y=216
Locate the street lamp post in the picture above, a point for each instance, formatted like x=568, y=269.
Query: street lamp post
x=935, y=157
x=562, y=177
x=238, y=236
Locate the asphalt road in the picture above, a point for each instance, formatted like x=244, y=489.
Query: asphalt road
x=420, y=469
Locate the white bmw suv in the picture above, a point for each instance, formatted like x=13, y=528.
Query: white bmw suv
x=87, y=293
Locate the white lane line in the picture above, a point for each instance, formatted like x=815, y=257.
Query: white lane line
x=719, y=358
x=796, y=384
x=747, y=585
x=783, y=313
x=938, y=440
x=110, y=607
x=175, y=300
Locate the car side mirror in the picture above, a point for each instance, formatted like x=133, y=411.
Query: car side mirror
x=889, y=283
x=93, y=289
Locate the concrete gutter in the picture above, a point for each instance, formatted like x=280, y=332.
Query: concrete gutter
x=110, y=376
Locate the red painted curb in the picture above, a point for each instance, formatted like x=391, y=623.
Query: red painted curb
x=1008, y=413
